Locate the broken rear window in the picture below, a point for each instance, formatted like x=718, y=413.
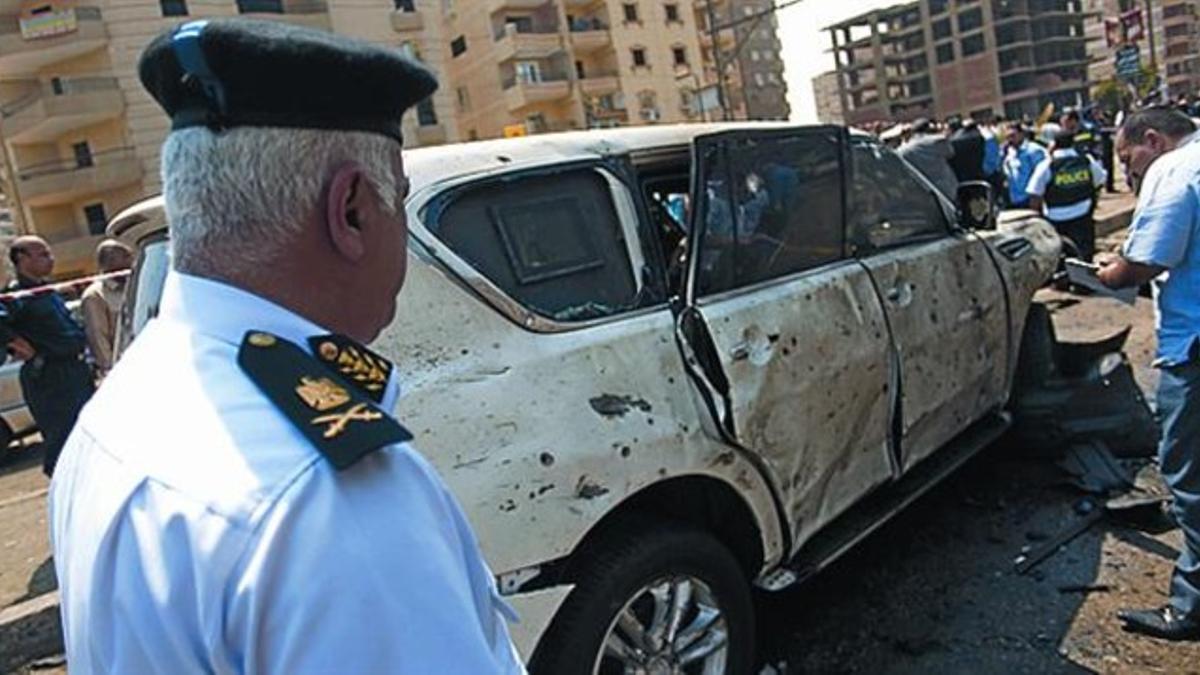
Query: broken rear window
x=555, y=242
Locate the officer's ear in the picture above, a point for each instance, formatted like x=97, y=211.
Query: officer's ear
x=344, y=208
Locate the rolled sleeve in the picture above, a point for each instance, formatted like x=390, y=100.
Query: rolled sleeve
x=1039, y=180
x=1163, y=221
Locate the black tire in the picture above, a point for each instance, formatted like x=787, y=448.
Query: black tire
x=1035, y=361
x=614, y=569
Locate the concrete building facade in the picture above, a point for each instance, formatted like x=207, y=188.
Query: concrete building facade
x=80, y=137
x=828, y=98
x=968, y=58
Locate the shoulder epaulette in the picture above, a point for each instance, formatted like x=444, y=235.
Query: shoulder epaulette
x=340, y=420
x=357, y=364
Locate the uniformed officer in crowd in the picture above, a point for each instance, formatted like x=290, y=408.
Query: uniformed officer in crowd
x=1161, y=152
x=237, y=498
x=39, y=330
x=1064, y=187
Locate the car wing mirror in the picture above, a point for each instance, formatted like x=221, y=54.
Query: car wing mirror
x=976, y=205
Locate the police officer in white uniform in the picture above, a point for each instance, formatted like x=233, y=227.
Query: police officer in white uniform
x=1064, y=188
x=237, y=499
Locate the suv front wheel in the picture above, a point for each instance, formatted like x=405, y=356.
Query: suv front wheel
x=657, y=597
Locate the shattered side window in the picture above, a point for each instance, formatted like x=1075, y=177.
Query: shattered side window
x=889, y=206
x=772, y=207
x=563, y=244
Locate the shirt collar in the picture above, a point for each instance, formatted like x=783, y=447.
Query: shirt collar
x=1190, y=138
x=226, y=313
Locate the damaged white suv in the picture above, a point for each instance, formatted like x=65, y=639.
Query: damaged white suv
x=661, y=365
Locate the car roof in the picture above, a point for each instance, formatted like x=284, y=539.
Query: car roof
x=429, y=165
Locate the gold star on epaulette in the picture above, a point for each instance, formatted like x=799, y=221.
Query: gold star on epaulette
x=346, y=425
x=359, y=365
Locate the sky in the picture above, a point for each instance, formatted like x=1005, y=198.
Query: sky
x=805, y=45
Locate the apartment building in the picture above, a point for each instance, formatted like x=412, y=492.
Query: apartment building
x=80, y=138
x=1170, y=27
x=976, y=58
x=828, y=98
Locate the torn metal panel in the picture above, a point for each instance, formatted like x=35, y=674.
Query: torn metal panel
x=807, y=361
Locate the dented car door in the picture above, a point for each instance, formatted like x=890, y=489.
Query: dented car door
x=943, y=296
x=787, y=338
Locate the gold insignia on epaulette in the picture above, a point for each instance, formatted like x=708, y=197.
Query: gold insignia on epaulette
x=365, y=369
x=322, y=393
x=338, y=421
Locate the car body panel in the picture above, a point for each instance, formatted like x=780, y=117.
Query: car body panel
x=945, y=306
x=807, y=360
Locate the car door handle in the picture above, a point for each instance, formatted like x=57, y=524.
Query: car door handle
x=740, y=352
x=893, y=294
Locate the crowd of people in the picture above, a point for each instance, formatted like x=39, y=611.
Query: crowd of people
x=1056, y=168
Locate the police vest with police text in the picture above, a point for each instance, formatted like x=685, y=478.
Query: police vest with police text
x=1070, y=181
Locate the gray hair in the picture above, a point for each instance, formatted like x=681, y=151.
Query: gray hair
x=235, y=199
x=1168, y=122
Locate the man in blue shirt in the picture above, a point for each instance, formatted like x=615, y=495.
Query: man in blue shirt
x=1161, y=152
x=55, y=380
x=1021, y=157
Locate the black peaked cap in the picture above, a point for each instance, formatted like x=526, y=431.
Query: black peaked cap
x=224, y=73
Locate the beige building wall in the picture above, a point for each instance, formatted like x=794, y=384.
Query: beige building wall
x=81, y=138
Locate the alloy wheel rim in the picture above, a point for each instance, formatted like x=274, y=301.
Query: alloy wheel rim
x=670, y=626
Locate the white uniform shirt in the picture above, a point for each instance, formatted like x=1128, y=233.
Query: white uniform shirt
x=195, y=529
x=1040, y=180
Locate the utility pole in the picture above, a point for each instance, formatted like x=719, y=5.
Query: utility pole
x=1150, y=33
x=713, y=31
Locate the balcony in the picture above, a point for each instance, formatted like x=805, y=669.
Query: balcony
x=60, y=106
x=431, y=134
x=64, y=180
x=403, y=21
x=521, y=93
x=307, y=13
x=526, y=43
x=30, y=44
x=580, y=4
x=494, y=6
x=589, y=35
x=599, y=84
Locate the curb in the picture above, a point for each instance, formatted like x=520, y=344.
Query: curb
x=29, y=631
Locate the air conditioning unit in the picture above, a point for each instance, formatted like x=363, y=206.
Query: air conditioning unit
x=651, y=114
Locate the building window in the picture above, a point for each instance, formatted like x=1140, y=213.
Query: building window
x=680, y=56
x=426, y=115
x=97, y=220
x=631, y=12
x=528, y=71
x=458, y=45
x=754, y=55
x=758, y=80
x=972, y=45
x=639, y=57
x=406, y=5
x=941, y=29
x=472, y=135
x=945, y=53
x=173, y=7
x=83, y=155
x=969, y=21
x=464, y=99
x=260, y=6
x=56, y=86
x=672, y=11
